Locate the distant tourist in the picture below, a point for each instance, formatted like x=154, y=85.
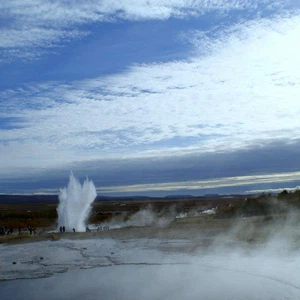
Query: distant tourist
x=64, y=229
x=2, y=230
x=74, y=230
x=60, y=229
x=30, y=230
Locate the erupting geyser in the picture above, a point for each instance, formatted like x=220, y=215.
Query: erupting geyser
x=75, y=204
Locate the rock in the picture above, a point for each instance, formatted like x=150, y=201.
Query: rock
x=55, y=237
x=14, y=262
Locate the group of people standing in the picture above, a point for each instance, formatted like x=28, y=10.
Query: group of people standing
x=32, y=230
x=62, y=229
x=5, y=231
x=105, y=227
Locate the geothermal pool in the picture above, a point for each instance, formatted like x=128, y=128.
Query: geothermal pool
x=145, y=269
x=138, y=282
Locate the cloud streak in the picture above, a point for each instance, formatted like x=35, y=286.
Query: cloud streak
x=34, y=27
x=198, y=173
x=205, y=184
x=278, y=190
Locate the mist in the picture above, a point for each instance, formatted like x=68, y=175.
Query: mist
x=158, y=256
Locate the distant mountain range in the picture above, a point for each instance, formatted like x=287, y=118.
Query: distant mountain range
x=54, y=198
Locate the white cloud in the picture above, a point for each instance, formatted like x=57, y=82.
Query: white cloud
x=297, y=188
x=34, y=37
x=64, y=13
x=244, y=90
x=205, y=184
x=32, y=26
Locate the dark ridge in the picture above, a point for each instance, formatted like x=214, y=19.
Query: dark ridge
x=27, y=198
x=181, y=197
x=11, y=199
x=212, y=196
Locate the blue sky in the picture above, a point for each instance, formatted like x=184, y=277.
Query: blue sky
x=147, y=97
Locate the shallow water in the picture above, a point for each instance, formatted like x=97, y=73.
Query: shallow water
x=149, y=269
x=175, y=281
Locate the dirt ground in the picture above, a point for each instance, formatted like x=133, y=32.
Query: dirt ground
x=202, y=232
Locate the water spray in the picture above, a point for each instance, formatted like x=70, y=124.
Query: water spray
x=75, y=204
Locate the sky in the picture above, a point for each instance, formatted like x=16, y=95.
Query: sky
x=150, y=97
